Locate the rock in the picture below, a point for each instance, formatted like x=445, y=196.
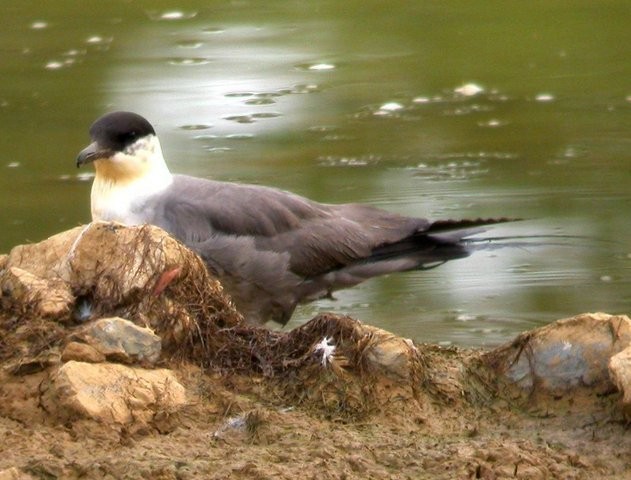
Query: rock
x=566, y=355
x=48, y=298
x=102, y=270
x=13, y=474
x=389, y=354
x=620, y=371
x=112, y=393
x=120, y=340
x=81, y=352
x=10, y=474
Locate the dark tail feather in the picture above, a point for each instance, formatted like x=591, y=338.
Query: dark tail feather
x=454, y=231
x=454, y=225
x=443, y=240
x=448, y=240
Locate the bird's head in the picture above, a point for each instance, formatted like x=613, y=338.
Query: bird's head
x=124, y=148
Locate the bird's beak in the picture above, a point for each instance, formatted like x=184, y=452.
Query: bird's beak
x=91, y=153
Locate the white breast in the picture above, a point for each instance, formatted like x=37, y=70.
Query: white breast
x=123, y=204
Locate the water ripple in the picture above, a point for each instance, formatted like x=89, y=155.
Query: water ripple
x=260, y=101
x=188, y=61
x=192, y=44
x=171, y=15
x=348, y=161
x=452, y=170
x=316, y=67
x=199, y=126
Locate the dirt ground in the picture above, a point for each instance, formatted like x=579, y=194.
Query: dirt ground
x=270, y=405
x=239, y=427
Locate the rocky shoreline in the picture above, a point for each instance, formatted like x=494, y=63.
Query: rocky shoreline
x=120, y=357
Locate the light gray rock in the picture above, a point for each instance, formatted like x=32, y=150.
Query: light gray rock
x=121, y=340
x=565, y=355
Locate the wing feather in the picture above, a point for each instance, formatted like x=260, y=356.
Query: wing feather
x=318, y=237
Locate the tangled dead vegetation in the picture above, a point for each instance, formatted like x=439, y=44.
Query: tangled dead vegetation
x=53, y=288
x=102, y=269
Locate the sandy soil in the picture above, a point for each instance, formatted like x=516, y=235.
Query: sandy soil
x=237, y=427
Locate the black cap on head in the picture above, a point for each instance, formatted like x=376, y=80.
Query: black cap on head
x=117, y=130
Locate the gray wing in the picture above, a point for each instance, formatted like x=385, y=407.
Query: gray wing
x=316, y=237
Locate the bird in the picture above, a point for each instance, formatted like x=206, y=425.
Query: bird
x=271, y=249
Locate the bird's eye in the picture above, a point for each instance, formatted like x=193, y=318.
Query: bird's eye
x=127, y=137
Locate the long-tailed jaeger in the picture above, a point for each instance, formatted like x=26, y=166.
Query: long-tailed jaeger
x=271, y=249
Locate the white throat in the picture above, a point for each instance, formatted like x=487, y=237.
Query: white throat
x=126, y=181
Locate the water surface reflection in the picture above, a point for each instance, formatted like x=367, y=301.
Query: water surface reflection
x=427, y=109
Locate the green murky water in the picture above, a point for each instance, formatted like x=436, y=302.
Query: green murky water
x=440, y=109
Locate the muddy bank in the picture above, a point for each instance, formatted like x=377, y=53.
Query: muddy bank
x=120, y=357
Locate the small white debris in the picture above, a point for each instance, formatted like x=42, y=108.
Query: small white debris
x=544, y=97
x=172, y=15
x=94, y=40
x=492, y=123
x=13, y=164
x=85, y=177
x=566, y=345
x=327, y=348
x=421, y=100
x=410, y=344
x=83, y=310
x=606, y=278
x=74, y=52
x=390, y=107
x=39, y=25
x=233, y=423
x=322, y=66
x=469, y=89
x=175, y=15
x=53, y=65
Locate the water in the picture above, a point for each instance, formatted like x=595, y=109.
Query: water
x=440, y=109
